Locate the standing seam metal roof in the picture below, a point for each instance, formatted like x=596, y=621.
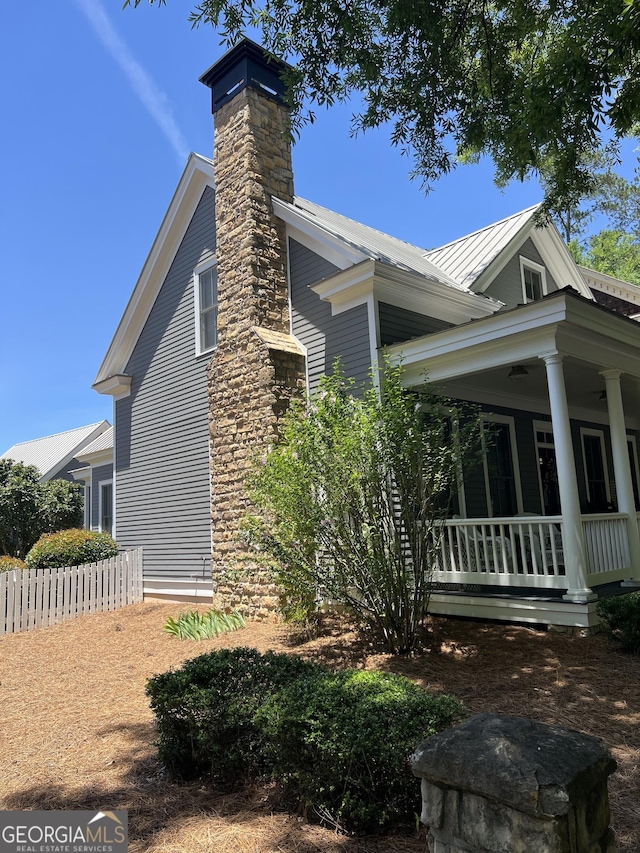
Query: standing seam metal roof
x=468, y=257
x=373, y=243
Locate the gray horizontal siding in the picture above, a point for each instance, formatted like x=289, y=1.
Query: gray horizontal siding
x=325, y=337
x=98, y=474
x=507, y=285
x=161, y=429
x=398, y=324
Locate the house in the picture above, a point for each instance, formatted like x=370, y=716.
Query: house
x=59, y=457
x=96, y=475
x=55, y=456
x=248, y=295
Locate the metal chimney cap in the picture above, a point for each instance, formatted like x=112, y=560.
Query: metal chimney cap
x=246, y=64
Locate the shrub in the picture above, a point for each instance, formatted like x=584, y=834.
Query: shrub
x=341, y=743
x=8, y=563
x=338, y=742
x=205, y=710
x=365, y=480
x=29, y=508
x=621, y=616
x=70, y=548
x=193, y=625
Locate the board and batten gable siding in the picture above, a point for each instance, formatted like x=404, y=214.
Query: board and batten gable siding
x=507, y=285
x=325, y=337
x=398, y=324
x=162, y=430
x=98, y=475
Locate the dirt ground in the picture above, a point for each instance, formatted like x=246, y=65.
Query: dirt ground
x=77, y=732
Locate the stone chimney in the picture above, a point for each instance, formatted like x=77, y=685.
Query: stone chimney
x=257, y=366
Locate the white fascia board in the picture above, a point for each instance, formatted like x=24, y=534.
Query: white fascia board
x=317, y=239
x=495, y=341
x=99, y=457
x=386, y=283
x=558, y=260
x=117, y=386
x=81, y=474
x=197, y=175
x=593, y=318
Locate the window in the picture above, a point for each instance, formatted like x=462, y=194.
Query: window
x=547, y=469
x=206, y=302
x=595, y=470
x=105, y=495
x=501, y=474
x=534, y=280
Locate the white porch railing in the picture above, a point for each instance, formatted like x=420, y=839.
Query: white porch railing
x=38, y=598
x=528, y=552
x=607, y=546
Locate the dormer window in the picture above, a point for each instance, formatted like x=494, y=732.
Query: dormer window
x=206, y=303
x=534, y=280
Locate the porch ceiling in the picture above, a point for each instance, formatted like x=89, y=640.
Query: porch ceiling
x=473, y=361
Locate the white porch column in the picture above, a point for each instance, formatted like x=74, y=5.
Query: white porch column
x=621, y=468
x=574, y=550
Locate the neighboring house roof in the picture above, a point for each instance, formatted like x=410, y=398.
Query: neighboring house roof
x=53, y=452
x=468, y=257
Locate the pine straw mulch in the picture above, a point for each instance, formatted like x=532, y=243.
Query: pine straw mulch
x=76, y=731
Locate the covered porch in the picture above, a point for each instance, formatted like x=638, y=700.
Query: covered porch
x=550, y=523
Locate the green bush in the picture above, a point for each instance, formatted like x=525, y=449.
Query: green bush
x=205, y=710
x=339, y=743
x=621, y=616
x=70, y=548
x=8, y=563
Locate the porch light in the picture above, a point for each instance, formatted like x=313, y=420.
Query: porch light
x=518, y=373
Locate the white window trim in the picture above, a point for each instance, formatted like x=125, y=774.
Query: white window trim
x=598, y=433
x=205, y=266
x=100, y=485
x=532, y=265
x=503, y=419
x=87, y=503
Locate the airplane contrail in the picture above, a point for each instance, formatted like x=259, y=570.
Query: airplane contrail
x=152, y=98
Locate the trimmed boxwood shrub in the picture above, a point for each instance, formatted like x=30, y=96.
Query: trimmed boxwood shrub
x=8, y=563
x=205, y=710
x=70, y=548
x=339, y=742
x=621, y=616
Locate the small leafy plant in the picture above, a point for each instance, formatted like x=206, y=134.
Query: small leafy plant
x=621, y=617
x=193, y=625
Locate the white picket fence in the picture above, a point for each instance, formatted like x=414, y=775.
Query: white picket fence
x=38, y=598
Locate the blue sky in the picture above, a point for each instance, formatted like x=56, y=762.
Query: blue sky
x=100, y=108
